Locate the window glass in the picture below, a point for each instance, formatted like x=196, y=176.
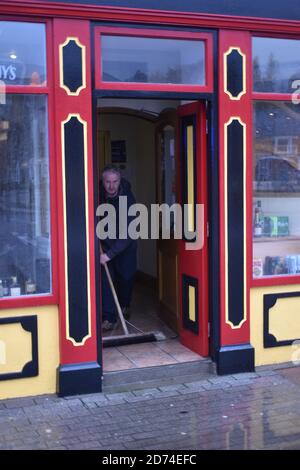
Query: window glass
x=276, y=65
x=22, y=53
x=276, y=189
x=24, y=197
x=151, y=60
x=168, y=170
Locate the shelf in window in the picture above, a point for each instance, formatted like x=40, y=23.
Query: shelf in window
x=276, y=239
x=262, y=194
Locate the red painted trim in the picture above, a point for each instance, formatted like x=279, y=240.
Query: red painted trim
x=276, y=35
x=147, y=16
x=81, y=105
x=52, y=161
x=272, y=96
x=153, y=33
x=275, y=281
x=26, y=90
x=229, y=109
x=28, y=301
x=249, y=179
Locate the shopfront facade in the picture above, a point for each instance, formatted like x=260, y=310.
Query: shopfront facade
x=239, y=298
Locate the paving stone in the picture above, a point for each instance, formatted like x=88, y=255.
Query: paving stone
x=240, y=411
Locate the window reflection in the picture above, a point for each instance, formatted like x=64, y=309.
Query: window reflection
x=22, y=53
x=24, y=197
x=276, y=64
x=151, y=60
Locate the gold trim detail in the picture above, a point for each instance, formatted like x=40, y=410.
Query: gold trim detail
x=192, y=303
x=63, y=123
x=235, y=118
x=61, y=66
x=190, y=176
x=243, y=92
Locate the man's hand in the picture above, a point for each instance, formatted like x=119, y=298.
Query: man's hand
x=104, y=258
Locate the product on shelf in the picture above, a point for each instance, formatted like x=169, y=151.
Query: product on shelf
x=276, y=265
x=276, y=226
x=257, y=267
x=15, y=289
x=258, y=223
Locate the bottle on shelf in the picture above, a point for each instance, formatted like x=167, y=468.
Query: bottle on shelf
x=5, y=288
x=258, y=225
x=15, y=289
x=30, y=287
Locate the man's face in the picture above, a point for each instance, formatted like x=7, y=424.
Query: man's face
x=111, y=182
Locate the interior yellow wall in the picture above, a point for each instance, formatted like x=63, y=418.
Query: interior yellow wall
x=18, y=343
x=284, y=324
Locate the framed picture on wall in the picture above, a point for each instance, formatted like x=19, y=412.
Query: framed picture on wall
x=118, y=151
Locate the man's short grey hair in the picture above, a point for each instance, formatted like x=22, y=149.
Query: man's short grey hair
x=111, y=169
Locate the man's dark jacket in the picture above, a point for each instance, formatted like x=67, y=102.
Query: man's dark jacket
x=121, y=251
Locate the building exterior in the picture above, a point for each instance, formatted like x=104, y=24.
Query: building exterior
x=238, y=152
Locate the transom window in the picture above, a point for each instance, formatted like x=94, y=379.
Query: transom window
x=22, y=53
x=158, y=59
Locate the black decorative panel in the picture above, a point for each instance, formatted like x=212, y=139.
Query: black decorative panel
x=269, y=301
x=187, y=322
x=31, y=368
x=72, y=63
x=76, y=229
x=235, y=218
x=235, y=79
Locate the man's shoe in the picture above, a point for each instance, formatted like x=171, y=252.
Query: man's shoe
x=126, y=312
x=107, y=325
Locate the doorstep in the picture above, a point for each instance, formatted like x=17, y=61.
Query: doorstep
x=157, y=376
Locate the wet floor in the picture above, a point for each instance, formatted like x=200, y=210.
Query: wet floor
x=245, y=411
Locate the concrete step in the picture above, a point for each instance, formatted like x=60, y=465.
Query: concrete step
x=157, y=376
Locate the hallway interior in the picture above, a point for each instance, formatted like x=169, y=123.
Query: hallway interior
x=144, y=315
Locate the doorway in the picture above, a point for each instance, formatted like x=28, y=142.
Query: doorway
x=143, y=138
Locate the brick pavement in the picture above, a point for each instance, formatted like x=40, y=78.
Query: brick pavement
x=244, y=411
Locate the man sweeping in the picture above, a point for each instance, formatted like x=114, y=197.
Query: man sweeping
x=120, y=254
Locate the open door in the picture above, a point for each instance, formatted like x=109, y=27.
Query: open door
x=192, y=261
x=167, y=250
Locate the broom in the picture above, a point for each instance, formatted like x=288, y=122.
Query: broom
x=127, y=338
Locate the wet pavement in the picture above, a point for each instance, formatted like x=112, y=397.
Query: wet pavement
x=243, y=411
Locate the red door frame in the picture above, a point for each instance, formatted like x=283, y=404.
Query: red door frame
x=194, y=263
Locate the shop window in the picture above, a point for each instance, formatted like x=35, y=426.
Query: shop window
x=22, y=53
x=25, y=259
x=276, y=189
x=276, y=64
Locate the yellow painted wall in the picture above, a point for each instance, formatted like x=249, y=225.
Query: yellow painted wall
x=15, y=351
x=284, y=325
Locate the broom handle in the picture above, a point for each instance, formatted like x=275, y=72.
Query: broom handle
x=113, y=291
